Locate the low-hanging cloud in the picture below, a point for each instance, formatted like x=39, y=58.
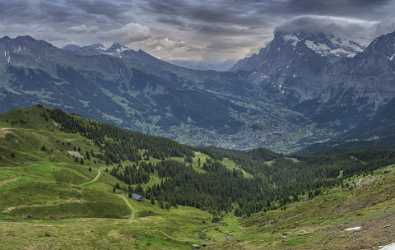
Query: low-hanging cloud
x=351, y=28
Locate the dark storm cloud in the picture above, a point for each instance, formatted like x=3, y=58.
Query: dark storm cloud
x=225, y=12
x=335, y=7
x=60, y=11
x=110, y=9
x=252, y=17
x=15, y=10
x=253, y=12
x=190, y=28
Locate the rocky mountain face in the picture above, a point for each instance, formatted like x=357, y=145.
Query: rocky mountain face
x=138, y=91
x=335, y=82
x=301, y=89
x=295, y=63
x=354, y=89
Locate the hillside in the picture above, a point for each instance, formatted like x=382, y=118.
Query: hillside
x=304, y=87
x=68, y=180
x=360, y=214
x=135, y=90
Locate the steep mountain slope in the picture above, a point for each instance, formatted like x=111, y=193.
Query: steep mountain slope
x=375, y=132
x=294, y=65
x=296, y=44
x=359, y=86
x=301, y=89
x=332, y=81
x=135, y=90
x=301, y=69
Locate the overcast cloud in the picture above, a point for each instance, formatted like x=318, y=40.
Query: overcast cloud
x=208, y=30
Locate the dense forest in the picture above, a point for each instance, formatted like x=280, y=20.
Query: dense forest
x=274, y=180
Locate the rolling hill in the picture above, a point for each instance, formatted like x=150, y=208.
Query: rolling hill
x=67, y=181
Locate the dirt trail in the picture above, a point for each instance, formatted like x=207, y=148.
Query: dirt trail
x=171, y=237
x=125, y=199
x=93, y=180
x=4, y=132
x=5, y=182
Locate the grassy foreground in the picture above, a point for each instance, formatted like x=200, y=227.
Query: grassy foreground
x=48, y=200
x=321, y=223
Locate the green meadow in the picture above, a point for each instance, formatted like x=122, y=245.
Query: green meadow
x=50, y=200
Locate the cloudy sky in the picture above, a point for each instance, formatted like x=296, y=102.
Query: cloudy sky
x=207, y=30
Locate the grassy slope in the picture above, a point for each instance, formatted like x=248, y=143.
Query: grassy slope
x=47, y=201
x=320, y=223
x=56, y=203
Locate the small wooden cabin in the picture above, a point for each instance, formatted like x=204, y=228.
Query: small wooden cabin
x=137, y=197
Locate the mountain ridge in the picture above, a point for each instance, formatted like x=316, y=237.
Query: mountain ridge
x=299, y=92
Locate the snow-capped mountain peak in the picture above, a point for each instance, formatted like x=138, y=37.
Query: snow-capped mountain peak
x=287, y=46
x=322, y=44
x=97, y=46
x=291, y=38
x=117, y=49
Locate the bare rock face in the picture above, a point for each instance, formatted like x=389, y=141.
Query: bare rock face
x=333, y=81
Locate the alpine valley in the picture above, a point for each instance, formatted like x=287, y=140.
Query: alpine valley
x=112, y=148
x=303, y=88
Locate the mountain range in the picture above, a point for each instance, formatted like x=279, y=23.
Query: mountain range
x=303, y=88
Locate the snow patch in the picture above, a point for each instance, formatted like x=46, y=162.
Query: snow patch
x=7, y=56
x=294, y=40
x=116, y=50
x=122, y=49
x=353, y=229
x=101, y=47
x=337, y=47
x=319, y=48
x=346, y=47
x=263, y=76
x=75, y=154
x=388, y=247
x=342, y=52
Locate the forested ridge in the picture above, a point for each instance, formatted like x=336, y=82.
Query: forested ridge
x=171, y=174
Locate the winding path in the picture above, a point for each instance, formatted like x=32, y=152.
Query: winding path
x=7, y=181
x=127, y=202
x=132, y=210
x=93, y=180
x=171, y=237
x=123, y=197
